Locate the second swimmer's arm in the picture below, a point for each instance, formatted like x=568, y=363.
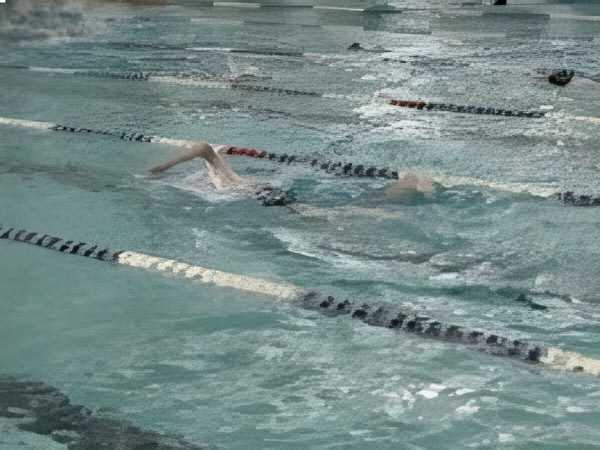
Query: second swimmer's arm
x=199, y=150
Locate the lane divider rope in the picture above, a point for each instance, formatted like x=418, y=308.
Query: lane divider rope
x=378, y=315
x=337, y=168
x=207, y=81
x=331, y=167
x=359, y=170
x=429, y=106
x=140, y=260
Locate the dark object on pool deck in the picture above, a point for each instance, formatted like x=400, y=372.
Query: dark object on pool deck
x=355, y=46
x=561, y=77
x=50, y=412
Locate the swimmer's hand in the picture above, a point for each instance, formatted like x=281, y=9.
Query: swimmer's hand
x=155, y=171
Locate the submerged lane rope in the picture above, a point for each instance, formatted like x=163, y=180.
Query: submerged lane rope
x=200, y=80
x=215, y=82
x=337, y=168
x=379, y=315
x=428, y=106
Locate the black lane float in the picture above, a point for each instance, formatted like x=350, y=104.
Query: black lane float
x=449, y=107
x=373, y=313
x=204, y=80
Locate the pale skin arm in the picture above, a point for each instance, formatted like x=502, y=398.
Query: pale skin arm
x=199, y=150
x=219, y=170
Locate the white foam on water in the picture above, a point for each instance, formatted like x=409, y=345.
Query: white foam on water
x=432, y=391
x=26, y=123
x=374, y=110
x=200, y=184
x=332, y=214
x=561, y=116
x=505, y=437
x=571, y=361
x=52, y=70
x=189, y=364
x=184, y=143
x=469, y=34
x=464, y=391
x=537, y=189
x=338, y=8
x=322, y=57
x=210, y=49
x=588, y=119
x=574, y=17
x=397, y=403
x=298, y=244
x=308, y=245
x=215, y=21
x=427, y=394
x=469, y=409
x=268, y=352
x=190, y=82
x=482, y=272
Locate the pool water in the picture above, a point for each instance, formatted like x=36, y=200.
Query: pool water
x=240, y=371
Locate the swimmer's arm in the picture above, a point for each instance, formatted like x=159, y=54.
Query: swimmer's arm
x=202, y=150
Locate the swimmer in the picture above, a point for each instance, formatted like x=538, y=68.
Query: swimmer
x=410, y=189
x=410, y=186
x=223, y=176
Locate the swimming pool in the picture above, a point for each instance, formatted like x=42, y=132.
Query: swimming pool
x=237, y=370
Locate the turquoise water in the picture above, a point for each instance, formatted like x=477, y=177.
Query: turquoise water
x=239, y=371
